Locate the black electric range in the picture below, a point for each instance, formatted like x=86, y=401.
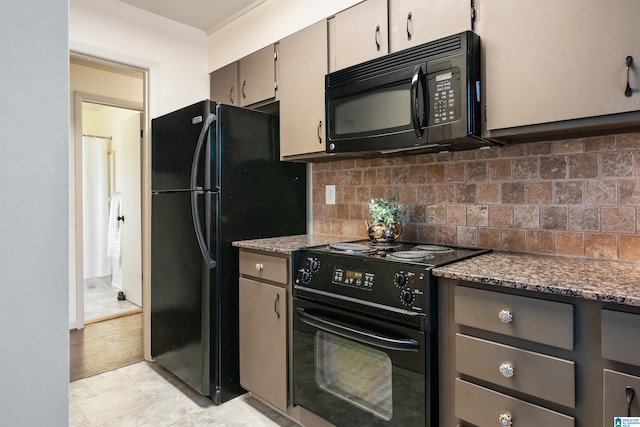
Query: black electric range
x=365, y=345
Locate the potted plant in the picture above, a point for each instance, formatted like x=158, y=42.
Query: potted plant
x=387, y=219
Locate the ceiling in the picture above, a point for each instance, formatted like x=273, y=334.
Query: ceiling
x=207, y=15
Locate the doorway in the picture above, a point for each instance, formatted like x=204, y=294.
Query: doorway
x=111, y=182
x=99, y=89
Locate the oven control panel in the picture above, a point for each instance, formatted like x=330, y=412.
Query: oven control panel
x=389, y=284
x=355, y=278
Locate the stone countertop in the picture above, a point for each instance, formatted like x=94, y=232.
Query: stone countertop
x=290, y=244
x=607, y=281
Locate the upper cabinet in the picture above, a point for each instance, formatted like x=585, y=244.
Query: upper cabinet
x=257, y=76
x=224, y=84
x=249, y=81
x=358, y=34
x=302, y=61
x=414, y=22
x=556, y=61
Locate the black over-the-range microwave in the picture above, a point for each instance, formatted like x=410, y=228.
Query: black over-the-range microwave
x=424, y=98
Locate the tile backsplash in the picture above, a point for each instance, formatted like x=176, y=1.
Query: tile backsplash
x=577, y=197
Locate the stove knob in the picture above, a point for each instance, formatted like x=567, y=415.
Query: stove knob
x=314, y=265
x=306, y=277
x=401, y=279
x=407, y=297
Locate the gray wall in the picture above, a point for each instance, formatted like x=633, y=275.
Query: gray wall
x=34, y=264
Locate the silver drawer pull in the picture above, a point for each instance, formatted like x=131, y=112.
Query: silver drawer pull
x=505, y=316
x=259, y=266
x=505, y=420
x=506, y=369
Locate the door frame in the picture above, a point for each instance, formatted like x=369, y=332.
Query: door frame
x=149, y=73
x=78, y=99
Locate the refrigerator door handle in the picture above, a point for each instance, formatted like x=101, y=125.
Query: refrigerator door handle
x=196, y=191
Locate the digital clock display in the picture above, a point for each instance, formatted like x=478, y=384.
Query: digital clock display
x=353, y=274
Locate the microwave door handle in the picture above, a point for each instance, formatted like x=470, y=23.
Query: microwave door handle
x=196, y=191
x=417, y=80
x=400, y=344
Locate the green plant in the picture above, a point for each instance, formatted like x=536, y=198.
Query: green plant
x=386, y=211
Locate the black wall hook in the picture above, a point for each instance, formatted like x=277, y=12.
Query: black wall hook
x=121, y=218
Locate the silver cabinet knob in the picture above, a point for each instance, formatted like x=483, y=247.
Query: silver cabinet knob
x=506, y=369
x=259, y=266
x=505, y=420
x=505, y=316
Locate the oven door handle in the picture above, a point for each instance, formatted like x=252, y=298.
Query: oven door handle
x=401, y=344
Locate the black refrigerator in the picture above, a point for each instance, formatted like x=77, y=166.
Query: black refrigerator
x=216, y=178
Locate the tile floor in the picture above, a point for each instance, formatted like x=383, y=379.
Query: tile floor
x=145, y=394
x=101, y=299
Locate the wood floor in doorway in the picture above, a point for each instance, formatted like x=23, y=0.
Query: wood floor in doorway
x=106, y=345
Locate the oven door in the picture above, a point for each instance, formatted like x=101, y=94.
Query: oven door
x=353, y=370
x=380, y=113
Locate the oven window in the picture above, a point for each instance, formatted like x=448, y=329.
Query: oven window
x=355, y=373
x=386, y=108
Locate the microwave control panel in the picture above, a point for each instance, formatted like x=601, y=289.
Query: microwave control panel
x=444, y=91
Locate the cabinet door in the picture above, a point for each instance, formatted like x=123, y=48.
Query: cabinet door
x=358, y=34
x=303, y=65
x=224, y=84
x=413, y=22
x=557, y=60
x=615, y=396
x=257, y=76
x=263, y=341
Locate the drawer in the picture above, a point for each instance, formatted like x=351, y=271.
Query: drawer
x=263, y=266
x=483, y=407
x=536, y=374
x=615, y=396
x=621, y=337
x=537, y=320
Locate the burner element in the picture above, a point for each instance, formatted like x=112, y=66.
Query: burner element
x=351, y=247
x=411, y=255
x=385, y=245
x=433, y=248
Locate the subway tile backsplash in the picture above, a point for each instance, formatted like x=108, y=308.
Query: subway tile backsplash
x=578, y=197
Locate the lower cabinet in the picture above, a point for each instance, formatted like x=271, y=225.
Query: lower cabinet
x=505, y=379
x=621, y=337
x=620, y=396
x=510, y=357
x=485, y=407
x=526, y=318
x=263, y=341
x=266, y=332
x=620, y=334
x=539, y=375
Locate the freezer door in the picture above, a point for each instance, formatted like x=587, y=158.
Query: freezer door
x=180, y=291
x=173, y=141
